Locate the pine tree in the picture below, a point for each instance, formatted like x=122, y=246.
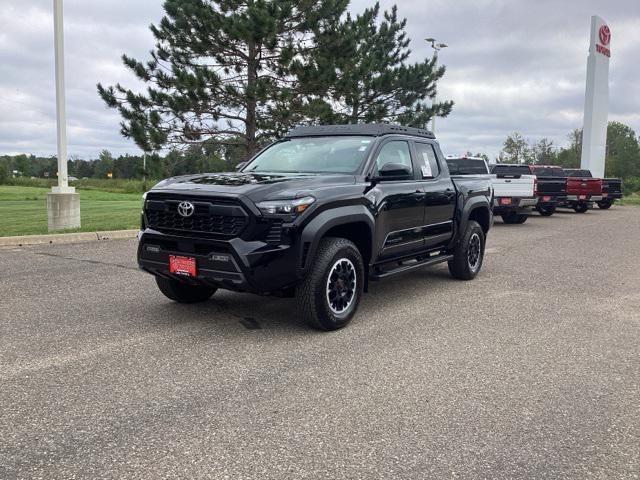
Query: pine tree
x=360, y=73
x=222, y=71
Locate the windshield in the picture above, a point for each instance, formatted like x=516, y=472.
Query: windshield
x=313, y=155
x=466, y=166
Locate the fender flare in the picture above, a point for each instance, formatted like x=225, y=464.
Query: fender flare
x=472, y=203
x=326, y=220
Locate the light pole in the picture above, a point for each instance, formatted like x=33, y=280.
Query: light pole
x=63, y=203
x=436, y=48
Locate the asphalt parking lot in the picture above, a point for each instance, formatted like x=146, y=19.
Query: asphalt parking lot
x=530, y=371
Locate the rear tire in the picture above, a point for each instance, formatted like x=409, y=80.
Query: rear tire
x=581, y=208
x=546, y=211
x=183, y=293
x=514, y=218
x=605, y=204
x=468, y=254
x=329, y=295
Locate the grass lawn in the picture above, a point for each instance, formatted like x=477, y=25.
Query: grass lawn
x=23, y=210
x=633, y=199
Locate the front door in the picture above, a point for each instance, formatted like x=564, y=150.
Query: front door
x=399, y=204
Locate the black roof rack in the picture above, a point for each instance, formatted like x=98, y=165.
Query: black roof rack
x=372, y=129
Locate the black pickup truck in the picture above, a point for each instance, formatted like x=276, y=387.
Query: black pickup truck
x=317, y=215
x=551, y=188
x=611, y=191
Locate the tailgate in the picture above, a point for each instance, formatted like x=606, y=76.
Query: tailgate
x=551, y=186
x=612, y=185
x=584, y=186
x=505, y=186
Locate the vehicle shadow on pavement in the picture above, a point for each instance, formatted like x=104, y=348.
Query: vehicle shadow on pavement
x=232, y=313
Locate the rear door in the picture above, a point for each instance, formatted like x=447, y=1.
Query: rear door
x=439, y=193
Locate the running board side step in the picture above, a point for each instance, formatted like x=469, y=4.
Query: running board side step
x=378, y=275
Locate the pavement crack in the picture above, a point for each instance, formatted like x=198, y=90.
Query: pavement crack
x=86, y=260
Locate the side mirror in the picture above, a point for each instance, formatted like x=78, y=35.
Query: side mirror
x=394, y=171
x=240, y=166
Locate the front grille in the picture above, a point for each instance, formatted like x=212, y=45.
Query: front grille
x=209, y=217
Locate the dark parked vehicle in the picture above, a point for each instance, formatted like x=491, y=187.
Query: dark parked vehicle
x=611, y=191
x=552, y=188
x=317, y=215
x=582, y=189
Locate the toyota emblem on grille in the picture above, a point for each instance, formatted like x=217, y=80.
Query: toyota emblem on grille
x=186, y=209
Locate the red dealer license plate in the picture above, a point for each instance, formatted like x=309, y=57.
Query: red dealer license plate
x=182, y=265
x=582, y=197
x=505, y=201
x=546, y=198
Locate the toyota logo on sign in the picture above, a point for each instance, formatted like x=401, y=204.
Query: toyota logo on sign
x=605, y=35
x=186, y=209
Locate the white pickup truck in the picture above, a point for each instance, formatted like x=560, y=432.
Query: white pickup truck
x=514, y=188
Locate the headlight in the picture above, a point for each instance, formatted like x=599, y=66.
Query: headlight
x=291, y=207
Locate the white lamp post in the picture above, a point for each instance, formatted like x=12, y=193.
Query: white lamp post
x=436, y=48
x=63, y=203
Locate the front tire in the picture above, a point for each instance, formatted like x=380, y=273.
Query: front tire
x=329, y=295
x=581, y=208
x=183, y=293
x=605, y=204
x=514, y=218
x=469, y=253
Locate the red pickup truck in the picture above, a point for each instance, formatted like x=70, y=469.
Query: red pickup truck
x=582, y=189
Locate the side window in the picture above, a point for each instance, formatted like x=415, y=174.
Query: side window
x=396, y=151
x=427, y=160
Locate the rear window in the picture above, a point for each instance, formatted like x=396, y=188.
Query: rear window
x=466, y=166
x=510, y=170
x=578, y=173
x=548, y=172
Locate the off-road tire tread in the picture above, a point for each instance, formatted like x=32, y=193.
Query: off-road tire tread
x=459, y=266
x=309, y=306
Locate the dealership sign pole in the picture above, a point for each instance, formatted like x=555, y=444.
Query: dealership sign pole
x=596, y=103
x=63, y=203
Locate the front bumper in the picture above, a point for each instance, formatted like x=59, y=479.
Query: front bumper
x=246, y=266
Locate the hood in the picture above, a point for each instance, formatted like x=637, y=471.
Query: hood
x=257, y=186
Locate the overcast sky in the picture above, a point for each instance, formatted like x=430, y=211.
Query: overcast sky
x=512, y=65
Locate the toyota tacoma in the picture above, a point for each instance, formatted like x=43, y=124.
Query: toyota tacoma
x=316, y=215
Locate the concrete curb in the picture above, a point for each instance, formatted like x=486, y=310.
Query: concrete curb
x=61, y=238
